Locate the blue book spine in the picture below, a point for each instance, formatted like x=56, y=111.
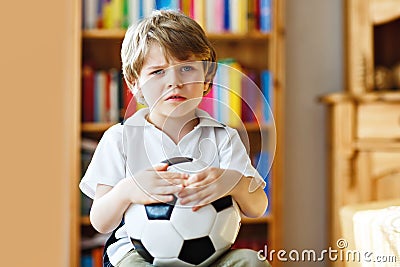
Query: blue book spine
x=86, y=261
x=266, y=88
x=167, y=4
x=265, y=15
x=217, y=95
x=226, y=15
x=263, y=165
x=141, y=9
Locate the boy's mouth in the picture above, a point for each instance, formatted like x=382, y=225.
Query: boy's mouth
x=175, y=98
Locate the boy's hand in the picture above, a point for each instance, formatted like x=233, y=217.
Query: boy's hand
x=154, y=185
x=207, y=186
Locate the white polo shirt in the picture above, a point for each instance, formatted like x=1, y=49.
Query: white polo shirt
x=138, y=145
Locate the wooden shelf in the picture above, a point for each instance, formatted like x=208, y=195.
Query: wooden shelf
x=95, y=127
x=85, y=221
x=262, y=220
x=120, y=33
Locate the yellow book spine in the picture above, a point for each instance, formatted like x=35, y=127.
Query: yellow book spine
x=107, y=15
x=235, y=92
x=243, y=20
x=199, y=13
x=117, y=16
x=185, y=7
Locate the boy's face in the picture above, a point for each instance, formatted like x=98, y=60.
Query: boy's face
x=172, y=87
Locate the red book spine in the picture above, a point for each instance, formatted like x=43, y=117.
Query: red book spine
x=191, y=9
x=87, y=94
x=257, y=13
x=97, y=255
x=108, y=96
x=129, y=102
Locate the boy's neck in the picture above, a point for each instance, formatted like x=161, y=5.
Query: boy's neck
x=175, y=128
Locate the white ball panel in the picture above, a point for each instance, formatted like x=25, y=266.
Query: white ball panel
x=193, y=224
x=135, y=220
x=226, y=228
x=161, y=239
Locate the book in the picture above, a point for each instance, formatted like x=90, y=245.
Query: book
x=147, y=7
x=207, y=103
x=238, y=16
x=263, y=166
x=235, y=92
x=107, y=19
x=87, y=94
x=265, y=15
x=86, y=260
x=184, y=6
x=114, y=91
x=223, y=87
x=133, y=7
x=266, y=88
x=210, y=16
x=100, y=82
x=252, y=16
x=89, y=8
x=198, y=12
x=250, y=97
x=167, y=4
x=226, y=15
x=116, y=13
x=97, y=255
x=219, y=18
x=129, y=102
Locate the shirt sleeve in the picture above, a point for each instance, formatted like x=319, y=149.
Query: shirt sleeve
x=233, y=156
x=108, y=162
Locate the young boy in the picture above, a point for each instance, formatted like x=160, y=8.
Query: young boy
x=169, y=64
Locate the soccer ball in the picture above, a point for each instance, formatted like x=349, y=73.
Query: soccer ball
x=173, y=235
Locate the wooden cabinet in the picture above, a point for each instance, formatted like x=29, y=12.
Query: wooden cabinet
x=255, y=50
x=364, y=119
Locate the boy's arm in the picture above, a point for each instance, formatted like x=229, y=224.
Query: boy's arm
x=148, y=186
x=109, y=206
x=252, y=204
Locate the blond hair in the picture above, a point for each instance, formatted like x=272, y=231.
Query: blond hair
x=179, y=37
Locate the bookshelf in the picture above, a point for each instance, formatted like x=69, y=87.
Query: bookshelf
x=253, y=49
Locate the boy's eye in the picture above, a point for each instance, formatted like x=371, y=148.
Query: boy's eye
x=158, y=72
x=186, y=68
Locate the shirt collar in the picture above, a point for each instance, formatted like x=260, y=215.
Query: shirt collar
x=139, y=119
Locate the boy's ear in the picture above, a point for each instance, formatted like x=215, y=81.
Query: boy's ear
x=206, y=88
x=132, y=85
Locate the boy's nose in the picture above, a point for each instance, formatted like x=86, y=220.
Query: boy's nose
x=174, y=79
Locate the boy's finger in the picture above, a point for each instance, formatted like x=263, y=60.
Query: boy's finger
x=173, y=175
x=160, y=167
x=196, y=178
x=176, y=181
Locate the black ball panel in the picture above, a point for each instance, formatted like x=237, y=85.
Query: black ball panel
x=195, y=251
x=142, y=250
x=160, y=211
x=222, y=203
